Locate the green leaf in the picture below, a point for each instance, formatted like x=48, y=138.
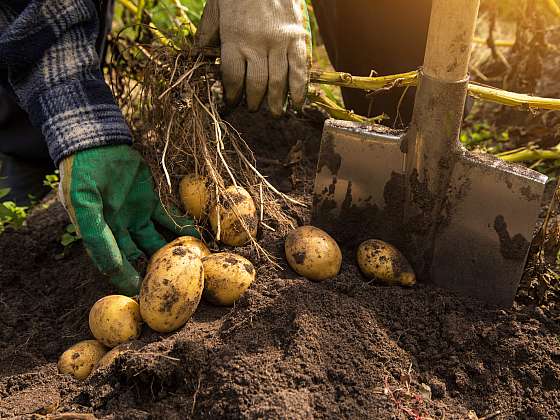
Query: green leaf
x=67, y=239
x=4, y=192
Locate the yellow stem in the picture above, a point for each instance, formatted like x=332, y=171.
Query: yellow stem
x=337, y=112
x=364, y=83
x=476, y=90
x=497, y=43
x=184, y=19
x=153, y=29
x=512, y=99
x=553, y=6
x=531, y=155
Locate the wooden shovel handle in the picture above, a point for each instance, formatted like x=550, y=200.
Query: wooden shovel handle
x=450, y=37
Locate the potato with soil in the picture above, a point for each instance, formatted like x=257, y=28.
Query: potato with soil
x=313, y=253
x=227, y=277
x=192, y=244
x=195, y=195
x=115, y=319
x=380, y=260
x=237, y=214
x=80, y=359
x=172, y=289
x=107, y=360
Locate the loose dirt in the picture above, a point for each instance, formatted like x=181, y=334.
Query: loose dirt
x=344, y=348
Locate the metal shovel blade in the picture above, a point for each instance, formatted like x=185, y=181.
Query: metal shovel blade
x=359, y=183
x=487, y=226
x=464, y=221
x=488, y=217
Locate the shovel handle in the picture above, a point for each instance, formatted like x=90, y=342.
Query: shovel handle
x=450, y=37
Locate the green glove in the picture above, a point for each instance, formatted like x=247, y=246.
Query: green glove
x=109, y=195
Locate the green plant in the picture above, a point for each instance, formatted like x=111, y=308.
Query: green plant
x=11, y=215
x=52, y=181
x=67, y=240
x=4, y=192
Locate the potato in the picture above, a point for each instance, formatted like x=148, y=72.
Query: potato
x=80, y=359
x=237, y=206
x=313, y=253
x=115, y=319
x=195, y=195
x=107, y=360
x=172, y=289
x=192, y=244
x=380, y=260
x=226, y=277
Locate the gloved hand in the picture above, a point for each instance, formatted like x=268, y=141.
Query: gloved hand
x=109, y=195
x=265, y=44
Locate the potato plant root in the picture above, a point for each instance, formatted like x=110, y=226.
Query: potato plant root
x=290, y=348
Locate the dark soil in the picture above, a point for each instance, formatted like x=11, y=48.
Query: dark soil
x=344, y=348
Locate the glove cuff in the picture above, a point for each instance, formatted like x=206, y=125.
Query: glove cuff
x=77, y=116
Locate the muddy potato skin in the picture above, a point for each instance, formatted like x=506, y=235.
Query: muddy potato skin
x=107, y=360
x=232, y=232
x=115, y=319
x=172, y=290
x=194, y=245
x=378, y=259
x=227, y=277
x=195, y=195
x=80, y=359
x=313, y=253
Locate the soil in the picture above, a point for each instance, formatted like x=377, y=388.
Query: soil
x=290, y=348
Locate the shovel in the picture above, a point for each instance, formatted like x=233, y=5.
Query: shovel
x=464, y=220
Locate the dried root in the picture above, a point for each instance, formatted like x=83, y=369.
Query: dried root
x=172, y=100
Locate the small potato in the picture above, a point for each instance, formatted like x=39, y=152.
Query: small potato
x=313, y=253
x=80, y=359
x=380, y=260
x=172, y=289
x=195, y=195
x=192, y=244
x=115, y=319
x=226, y=277
x=107, y=360
x=236, y=211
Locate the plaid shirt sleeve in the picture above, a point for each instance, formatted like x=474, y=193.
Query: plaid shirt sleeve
x=47, y=48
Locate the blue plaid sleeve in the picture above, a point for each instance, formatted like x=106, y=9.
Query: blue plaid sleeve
x=47, y=48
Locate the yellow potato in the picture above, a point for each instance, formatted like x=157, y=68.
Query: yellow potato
x=107, y=360
x=195, y=195
x=236, y=210
x=192, y=244
x=80, y=359
x=172, y=289
x=114, y=320
x=226, y=277
x=313, y=253
x=380, y=260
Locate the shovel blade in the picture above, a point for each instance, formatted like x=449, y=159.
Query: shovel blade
x=482, y=244
x=359, y=191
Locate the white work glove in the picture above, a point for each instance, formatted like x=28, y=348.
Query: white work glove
x=265, y=45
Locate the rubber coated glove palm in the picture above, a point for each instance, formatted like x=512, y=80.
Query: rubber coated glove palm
x=265, y=44
x=109, y=195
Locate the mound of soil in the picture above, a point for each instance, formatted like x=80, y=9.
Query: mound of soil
x=289, y=349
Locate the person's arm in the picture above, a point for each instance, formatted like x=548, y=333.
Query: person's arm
x=48, y=50
x=265, y=48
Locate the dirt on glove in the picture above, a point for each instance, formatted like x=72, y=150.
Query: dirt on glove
x=290, y=348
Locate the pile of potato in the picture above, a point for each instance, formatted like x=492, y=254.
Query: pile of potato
x=178, y=276
x=184, y=271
